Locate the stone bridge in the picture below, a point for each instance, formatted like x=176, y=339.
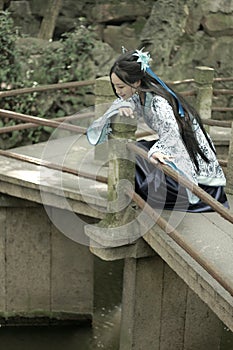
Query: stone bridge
x=178, y=271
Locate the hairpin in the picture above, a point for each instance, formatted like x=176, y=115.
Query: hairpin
x=123, y=49
x=143, y=58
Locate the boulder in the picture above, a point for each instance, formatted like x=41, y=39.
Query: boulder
x=118, y=13
x=118, y=36
x=218, y=24
x=179, y=34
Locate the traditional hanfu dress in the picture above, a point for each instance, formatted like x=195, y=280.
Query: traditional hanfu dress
x=158, y=189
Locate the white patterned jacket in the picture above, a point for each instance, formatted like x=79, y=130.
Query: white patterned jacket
x=158, y=115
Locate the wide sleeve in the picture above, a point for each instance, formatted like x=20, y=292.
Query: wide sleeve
x=98, y=131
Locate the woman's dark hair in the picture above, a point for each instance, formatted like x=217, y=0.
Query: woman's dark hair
x=129, y=71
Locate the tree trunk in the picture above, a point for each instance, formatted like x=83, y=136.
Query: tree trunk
x=1, y=5
x=49, y=21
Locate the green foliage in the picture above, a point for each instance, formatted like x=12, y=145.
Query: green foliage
x=77, y=51
x=46, y=63
x=67, y=61
x=9, y=64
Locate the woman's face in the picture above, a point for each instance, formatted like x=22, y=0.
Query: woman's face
x=123, y=90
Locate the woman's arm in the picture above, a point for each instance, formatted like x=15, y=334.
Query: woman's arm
x=98, y=131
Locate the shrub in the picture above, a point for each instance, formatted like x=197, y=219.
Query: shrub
x=9, y=63
x=62, y=61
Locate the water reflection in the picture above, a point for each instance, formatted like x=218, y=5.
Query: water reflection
x=46, y=338
x=108, y=293
x=104, y=333
x=227, y=339
x=106, y=329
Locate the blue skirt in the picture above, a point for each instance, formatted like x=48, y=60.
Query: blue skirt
x=161, y=191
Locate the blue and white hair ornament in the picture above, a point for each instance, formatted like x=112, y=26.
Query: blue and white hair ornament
x=144, y=59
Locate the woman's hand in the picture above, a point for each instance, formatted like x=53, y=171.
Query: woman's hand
x=126, y=111
x=160, y=157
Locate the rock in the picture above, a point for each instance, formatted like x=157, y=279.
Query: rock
x=118, y=36
x=218, y=24
x=224, y=6
x=179, y=34
x=23, y=18
x=103, y=56
x=126, y=11
x=183, y=34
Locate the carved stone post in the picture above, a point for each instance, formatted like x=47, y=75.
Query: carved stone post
x=121, y=160
x=118, y=227
x=104, y=96
x=229, y=174
x=203, y=77
x=204, y=80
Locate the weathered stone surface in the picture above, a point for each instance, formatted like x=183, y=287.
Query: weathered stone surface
x=44, y=276
x=229, y=187
x=218, y=24
x=159, y=311
x=213, y=234
x=118, y=36
x=16, y=174
x=2, y=259
x=176, y=37
x=202, y=327
x=28, y=262
x=204, y=80
x=68, y=269
x=224, y=6
x=126, y=11
x=139, y=249
x=179, y=34
x=103, y=57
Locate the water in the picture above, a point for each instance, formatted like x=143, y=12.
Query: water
x=227, y=340
x=104, y=334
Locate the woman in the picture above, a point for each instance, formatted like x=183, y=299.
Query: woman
x=183, y=142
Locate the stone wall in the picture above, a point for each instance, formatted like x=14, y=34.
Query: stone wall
x=45, y=277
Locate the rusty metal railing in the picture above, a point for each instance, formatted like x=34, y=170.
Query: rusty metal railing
x=54, y=166
x=6, y=129
x=179, y=239
x=43, y=88
x=41, y=121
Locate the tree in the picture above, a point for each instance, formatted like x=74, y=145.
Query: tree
x=1, y=5
x=49, y=21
